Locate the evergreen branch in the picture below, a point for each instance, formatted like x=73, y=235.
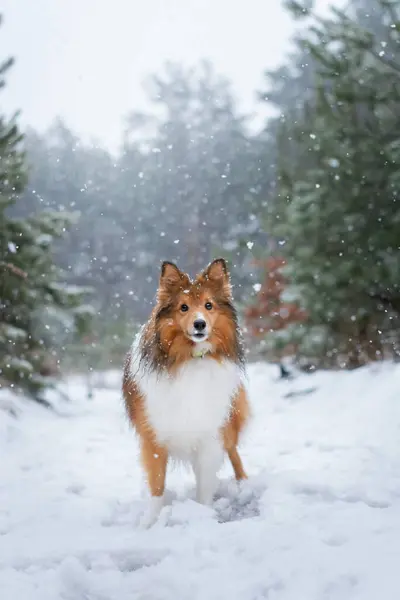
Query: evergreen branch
x=14, y=270
x=392, y=11
x=390, y=302
x=387, y=62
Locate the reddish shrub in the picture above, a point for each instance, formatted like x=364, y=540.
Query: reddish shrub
x=269, y=312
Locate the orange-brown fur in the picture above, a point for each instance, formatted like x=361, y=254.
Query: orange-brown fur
x=165, y=345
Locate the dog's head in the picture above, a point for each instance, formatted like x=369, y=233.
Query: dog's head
x=192, y=318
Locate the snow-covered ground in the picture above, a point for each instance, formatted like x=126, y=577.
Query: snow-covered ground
x=319, y=517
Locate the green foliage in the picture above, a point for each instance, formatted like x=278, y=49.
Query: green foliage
x=337, y=209
x=299, y=10
x=38, y=312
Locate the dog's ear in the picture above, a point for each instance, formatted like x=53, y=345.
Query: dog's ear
x=172, y=280
x=217, y=269
x=217, y=273
x=170, y=274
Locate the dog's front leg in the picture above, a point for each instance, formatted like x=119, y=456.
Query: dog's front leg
x=207, y=461
x=154, y=459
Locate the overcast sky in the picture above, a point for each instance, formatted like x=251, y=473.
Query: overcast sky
x=86, y=59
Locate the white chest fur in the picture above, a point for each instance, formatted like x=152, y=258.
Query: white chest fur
x=190, y=407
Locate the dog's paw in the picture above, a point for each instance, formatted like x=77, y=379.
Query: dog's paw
x=146, y=521
x=152, y=512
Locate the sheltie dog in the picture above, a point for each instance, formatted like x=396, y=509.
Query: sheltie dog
x=183, y=382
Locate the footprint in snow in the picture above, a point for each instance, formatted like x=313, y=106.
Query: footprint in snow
x=232, y=502
x=235, y=502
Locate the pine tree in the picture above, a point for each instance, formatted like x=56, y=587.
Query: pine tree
x=38, y=312
x=337, y=207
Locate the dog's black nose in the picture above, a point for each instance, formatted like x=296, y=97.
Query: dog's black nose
x=199, y=324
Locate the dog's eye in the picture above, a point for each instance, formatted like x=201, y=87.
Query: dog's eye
x=208, y=305
x=184, y=308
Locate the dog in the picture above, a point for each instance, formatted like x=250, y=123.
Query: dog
x=184, y=382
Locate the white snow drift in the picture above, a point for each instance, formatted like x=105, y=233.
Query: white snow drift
x=319, y=517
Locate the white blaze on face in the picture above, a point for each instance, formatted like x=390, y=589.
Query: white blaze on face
x=196, y=335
